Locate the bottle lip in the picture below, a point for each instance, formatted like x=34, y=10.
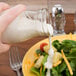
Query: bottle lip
x=47, y=29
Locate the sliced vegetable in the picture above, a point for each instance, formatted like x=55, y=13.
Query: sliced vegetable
x=35, y=70
x=46, y=48
x=42, y=45
x=39, y=62
x=35, y=61
x=39, y=52
x=44, y=60
x=66, y=61
x=56, y=64
x=57, y=56
x=42, y=71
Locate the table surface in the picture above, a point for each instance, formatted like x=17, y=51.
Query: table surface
x=5, y=69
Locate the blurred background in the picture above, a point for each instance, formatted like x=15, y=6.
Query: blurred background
x=68, y=5
x=30, y=4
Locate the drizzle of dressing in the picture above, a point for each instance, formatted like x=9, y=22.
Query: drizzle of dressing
x=49, y=62
x=48, y=72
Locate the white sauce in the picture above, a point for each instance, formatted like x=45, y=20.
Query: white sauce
x=48, y=72
x=49, y=62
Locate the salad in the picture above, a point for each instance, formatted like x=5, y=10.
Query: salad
x=64, y=59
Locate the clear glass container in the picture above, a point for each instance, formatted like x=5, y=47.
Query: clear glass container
x=27, y=25
x=58, y=19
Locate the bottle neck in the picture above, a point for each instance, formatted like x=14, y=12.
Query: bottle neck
x=47, y=29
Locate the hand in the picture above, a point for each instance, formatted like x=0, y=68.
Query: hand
x=6, y=18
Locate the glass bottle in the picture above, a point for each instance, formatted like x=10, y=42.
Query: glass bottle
x=29, y=24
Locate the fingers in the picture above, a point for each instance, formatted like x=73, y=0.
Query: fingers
x=4, y=48
x=10, y=15
x=3, y=6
